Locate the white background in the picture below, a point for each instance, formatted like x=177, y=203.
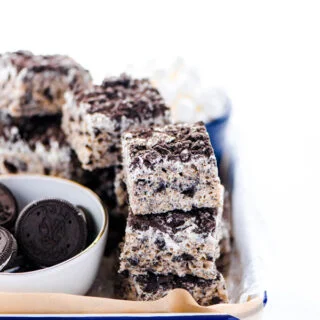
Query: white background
x=265, y=54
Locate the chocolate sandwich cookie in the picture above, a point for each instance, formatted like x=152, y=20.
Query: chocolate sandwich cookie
x=51, y=231
x=8, y=248
x=8, y=207
x=90, y=224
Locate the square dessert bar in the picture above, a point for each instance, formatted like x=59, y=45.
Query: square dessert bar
x=170, y=168
x=94, y=119
x=177, y=242
x=35, y=85
x=35, y=145
x=150, y=286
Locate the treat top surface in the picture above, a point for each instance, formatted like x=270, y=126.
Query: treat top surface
x=124, y=96
x=32, y=131
x=40, y=63
x=177, y=142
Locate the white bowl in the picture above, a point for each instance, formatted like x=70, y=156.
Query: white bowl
x=76, y=275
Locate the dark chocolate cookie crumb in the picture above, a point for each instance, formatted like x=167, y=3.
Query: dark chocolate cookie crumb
x=124, y=97
x=174, y=143
x=170, y=222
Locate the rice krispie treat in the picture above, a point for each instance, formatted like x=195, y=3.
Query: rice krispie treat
x=35, y=145
x=35, y=85
x=170, y=168
x=94, y=119
x=150, y=286
x=175, y=242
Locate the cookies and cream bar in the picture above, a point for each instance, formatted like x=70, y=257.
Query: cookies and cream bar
x=94, y=119
x=150, y=286
x=34, y=145
x=35, y=84
x=174, y=242
x=170, y=168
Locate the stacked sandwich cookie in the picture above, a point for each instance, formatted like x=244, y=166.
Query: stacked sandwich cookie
x=175, y=214
x=94, y=119
x=32, y=89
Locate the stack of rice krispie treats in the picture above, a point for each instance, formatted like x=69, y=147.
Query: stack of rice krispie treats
x=160, y=181
x=175, y=214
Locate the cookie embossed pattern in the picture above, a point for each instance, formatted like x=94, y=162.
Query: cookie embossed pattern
x=51, y=231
